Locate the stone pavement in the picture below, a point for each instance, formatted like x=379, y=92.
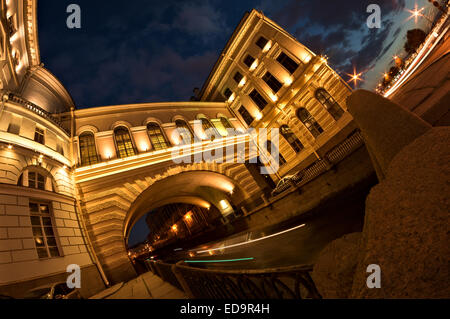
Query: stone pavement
x=146, y=286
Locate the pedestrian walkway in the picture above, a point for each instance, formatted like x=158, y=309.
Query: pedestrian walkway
x=146, y=286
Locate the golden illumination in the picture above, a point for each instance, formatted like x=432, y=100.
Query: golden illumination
x=210, y=252
x=242, y=82
x=224, y=204
x=254, y=65
x=267, y=47
x=288, y=81
x=258, y=116
x=188, y=216
x=232, y=97
x=174, y=228
x=10, y=146
x=273, y=97
x=307, y=58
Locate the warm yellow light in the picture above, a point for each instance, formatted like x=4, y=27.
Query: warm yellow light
x=273, y=97
x=10, y=147
x=259, y=116
x=224, y=204
x=188, y=216
x=267, y=46
x=144, y=147
x=174, y=227
x=254, y=65
x=307, y=58
x=232, y=97
x=242, y=82
x=288, y=81
x=211, y=252
x=191, y=254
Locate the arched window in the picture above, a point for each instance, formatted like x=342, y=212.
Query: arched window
x=309, y=121
x=290, y=137
x=88, y=151
x=123, y=142
x=224, y=128
x=329, y=103
x=38, y=178
x=157, y=137
x=208, y=127
x=272, y=149
x=185, y=131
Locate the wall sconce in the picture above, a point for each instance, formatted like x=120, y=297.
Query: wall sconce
x=254, y=65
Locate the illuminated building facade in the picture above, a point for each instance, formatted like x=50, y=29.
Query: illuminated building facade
x=74, y=181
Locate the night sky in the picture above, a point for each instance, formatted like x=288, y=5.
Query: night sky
x=150, y=51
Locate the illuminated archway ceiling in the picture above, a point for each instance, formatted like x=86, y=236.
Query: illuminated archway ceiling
x=198, y=188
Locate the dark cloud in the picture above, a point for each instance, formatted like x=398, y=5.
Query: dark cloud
x=148, y=51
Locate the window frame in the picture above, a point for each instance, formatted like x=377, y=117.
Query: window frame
x=39, y=135
x=310, y=122
x=258, y=99
x=291, y=138
x=249, y=57
x=287, y=58
x=44, y=234
x=245, y=114
x=264, y=40
x=329, y=103
x=187, y=128
x=272, y=82
x=130, y=150
x=162, y=141
x=92, y=157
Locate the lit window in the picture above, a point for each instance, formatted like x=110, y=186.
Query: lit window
x=39, y=135
x=157, y=137
x=287, y=62
x=43, y=232
x=36, y=180
x=208, y=128
x=261, y=42
x=124, y=143
x=88, y=151
x=309, y=121
x=290, y=137
x=248, y=61
x=185, y=131
x=246, y=116
x=329, y=103
x=225, y=122
x=258, y=99
x=272, y=82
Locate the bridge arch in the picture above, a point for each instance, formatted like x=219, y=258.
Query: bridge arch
x=112, y=205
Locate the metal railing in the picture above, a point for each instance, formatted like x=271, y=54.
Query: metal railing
x=38, y=110
x=276, y=283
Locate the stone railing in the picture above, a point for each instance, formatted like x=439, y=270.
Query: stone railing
x=276, y=283
x=38, y=110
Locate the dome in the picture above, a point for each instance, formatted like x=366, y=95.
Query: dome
x=42, y=88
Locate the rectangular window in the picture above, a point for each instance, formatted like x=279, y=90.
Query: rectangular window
x=39, y=136
x=237, y=77
x=246, y=115
x=258, y=99
x=227, y=93
x=272, y=82
x=60, y=148
x=287, y=62
x=43, y=233
x=261, y=42
x=248, y=61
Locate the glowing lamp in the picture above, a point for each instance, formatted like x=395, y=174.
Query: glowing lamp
x=224, y=204
x=232, y=97
x=10, y=147
x=242, y=82
x=273, y=97
x=259, y=116
x=267, y=46
x=174, y=227
x=254, y=65
x=288, y=81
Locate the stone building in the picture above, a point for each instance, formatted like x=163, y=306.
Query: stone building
x=74, y=181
